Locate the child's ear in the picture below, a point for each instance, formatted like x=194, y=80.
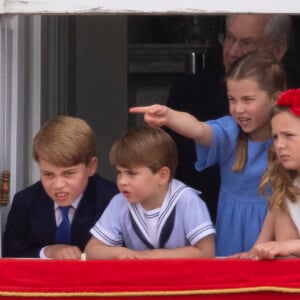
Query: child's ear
x=164, y=174
x=280, y=49
x=92, y=166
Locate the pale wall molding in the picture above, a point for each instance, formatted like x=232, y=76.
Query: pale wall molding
x=154, y=6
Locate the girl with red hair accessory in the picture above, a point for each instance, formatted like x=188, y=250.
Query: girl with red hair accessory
x=283, y=176
x=290, y=99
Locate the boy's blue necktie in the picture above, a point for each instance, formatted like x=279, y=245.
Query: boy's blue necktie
x=63, y=231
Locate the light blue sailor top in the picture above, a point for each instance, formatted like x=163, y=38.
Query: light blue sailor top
x=182, y=220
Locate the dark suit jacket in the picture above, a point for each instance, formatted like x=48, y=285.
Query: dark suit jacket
x=31, y=221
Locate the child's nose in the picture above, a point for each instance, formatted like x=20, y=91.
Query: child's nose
x=278, y=143
x=122, y=179
x=239, y=107
x=59, y=182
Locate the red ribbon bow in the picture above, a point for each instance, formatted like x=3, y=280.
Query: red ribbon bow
x=290, y=99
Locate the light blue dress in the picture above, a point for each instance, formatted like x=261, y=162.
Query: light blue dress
x=241, y=210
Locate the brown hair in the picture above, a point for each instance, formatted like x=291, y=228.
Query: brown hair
x=65, y=141
x=152, y=147
x=270, y=76
x=277, y=184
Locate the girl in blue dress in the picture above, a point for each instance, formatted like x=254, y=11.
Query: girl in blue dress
x=239, y=143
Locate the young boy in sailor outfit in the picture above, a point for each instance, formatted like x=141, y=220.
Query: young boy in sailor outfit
x=154, y=215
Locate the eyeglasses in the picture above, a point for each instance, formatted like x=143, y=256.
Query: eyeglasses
x=245, y=45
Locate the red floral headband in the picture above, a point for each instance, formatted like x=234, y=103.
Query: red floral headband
x=290, y=99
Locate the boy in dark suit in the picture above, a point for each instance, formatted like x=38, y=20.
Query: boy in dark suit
x=65, y=150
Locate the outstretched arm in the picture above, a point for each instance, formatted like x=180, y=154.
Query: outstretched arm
x=61, y=251
x=287, y=239
x=268, y=230
x=181, y=122
x=205, y=248
x=96, y=249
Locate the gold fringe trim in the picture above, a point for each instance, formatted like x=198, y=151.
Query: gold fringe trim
x=152, y=293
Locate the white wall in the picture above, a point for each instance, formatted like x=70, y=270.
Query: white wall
x=153, y=6
x=19, y=99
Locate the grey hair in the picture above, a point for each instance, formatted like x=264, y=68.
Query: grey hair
x=278, y=27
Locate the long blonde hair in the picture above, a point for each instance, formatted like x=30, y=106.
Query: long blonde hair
x=270, y=75
x=277, y=184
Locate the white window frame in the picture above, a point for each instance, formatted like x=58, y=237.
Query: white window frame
x=20, y=76
x=153, y=6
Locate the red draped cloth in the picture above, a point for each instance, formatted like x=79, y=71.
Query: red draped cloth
x=149, y=279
